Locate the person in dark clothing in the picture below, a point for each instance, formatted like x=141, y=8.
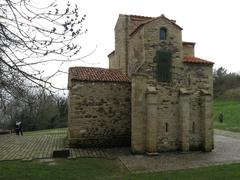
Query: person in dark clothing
x=19, y=128
x=221, y=117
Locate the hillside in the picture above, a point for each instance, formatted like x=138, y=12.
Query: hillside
x=231, y=111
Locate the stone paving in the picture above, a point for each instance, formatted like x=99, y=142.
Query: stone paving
x=14, y=147
x=227, y=150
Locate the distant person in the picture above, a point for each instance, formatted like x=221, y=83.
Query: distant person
x=19, y=128
x=221, y=117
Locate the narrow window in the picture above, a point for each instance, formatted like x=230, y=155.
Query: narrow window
x=163, y=66
x=193, y=127
x=163, y=33
x=189, y=79
x=166, y=127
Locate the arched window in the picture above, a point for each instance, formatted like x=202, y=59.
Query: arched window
x=163, y=33
x=163, y=59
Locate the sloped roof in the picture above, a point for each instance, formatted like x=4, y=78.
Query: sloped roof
x=190, y=43
x=96, y=74
x=142, y=20
x=138, y=20
x=113, y=52
x=191, y=59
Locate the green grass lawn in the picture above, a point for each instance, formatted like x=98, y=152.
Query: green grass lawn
x=103, y=169
x=60, y=169
x=224, y=172
x=46, y=132
x=231, y=111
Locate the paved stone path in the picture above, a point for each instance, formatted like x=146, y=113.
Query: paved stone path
x=227, y=150
x=14, y=147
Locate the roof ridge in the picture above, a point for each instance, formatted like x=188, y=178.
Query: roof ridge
x=188, y=42
x=138, y=16
x=97, y=74
x=193, y=59
x=86, y=67
x=153, y=19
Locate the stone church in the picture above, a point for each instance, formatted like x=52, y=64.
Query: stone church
x=156, y=95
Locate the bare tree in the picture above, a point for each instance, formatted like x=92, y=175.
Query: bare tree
x=32, y=34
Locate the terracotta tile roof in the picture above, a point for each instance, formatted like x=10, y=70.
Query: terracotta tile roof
x=191, y=59
x=96, y=74
x=185, y=42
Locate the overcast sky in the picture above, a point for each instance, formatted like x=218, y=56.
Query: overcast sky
x=213, y=24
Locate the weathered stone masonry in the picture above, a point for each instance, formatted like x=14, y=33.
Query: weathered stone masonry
x=99, y=113
x=170, y=101
x=166, y=116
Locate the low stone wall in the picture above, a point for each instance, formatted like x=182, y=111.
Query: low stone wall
x=99, y=114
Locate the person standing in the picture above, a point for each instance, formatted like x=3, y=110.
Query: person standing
x=19, y=128
x=221, y=117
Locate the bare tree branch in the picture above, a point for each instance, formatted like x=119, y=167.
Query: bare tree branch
x=31, y=35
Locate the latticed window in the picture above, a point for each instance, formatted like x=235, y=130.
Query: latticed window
x=163, y=33
x=163, y=66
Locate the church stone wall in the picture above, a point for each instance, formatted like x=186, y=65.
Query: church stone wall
x=177, y=128
x=188, y=49
x=199, y=81
x=166, y=92
x=99, y=114
x=121, y=37
x=113, y=63
x=136, y=52
x=159, y=116
x=183, y=115
x=139, y=83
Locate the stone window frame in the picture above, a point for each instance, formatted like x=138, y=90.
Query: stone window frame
x=163, y=34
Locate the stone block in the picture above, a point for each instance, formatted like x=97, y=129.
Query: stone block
x=61, y=153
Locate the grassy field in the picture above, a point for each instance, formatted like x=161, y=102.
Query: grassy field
x=46, y=132
x=102, y=169
x=231, y=111
x=84, y=168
